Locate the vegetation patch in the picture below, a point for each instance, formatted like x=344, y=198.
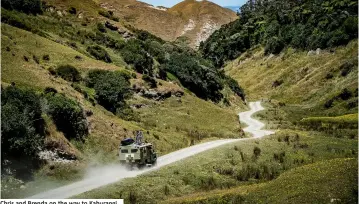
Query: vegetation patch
x=346, y=121
x=275, y=24
x=69, y=73
x=68, y=116
x=99, y=53
x=22, y=131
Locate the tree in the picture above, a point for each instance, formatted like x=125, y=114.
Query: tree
x=112, y=88
x=26, y=6
x=133, y=53
x=68, y=116
x=22, y=130
x=22, y=125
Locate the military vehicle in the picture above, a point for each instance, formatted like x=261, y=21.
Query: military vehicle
x=137, y=153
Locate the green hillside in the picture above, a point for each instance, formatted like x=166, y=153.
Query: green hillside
x=300, y=185
x=278, y=24
x=77, y=78
x=74, y=88
x=287, y=159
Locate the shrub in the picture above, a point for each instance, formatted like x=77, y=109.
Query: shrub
x=104, y=14
x=68, y=116
x=133, y=53
x=115, y=18
x=274, y=45
x=49, y=90
x=329, y=76
x=22, y=126
x=346, y=68
x=204, y=81
x=110, y=26
x=329, y=103
x=99, y=53
x=72, y=11
x=234, y=86
x=257, y=152
x=46, y=57
x=26, y=6
x=150, y=80
x=69, y=73
x=52, y=71
x=277, y=83
x=22, y=130
x=101, y=28
x=112, y=88
x=277, y=23
x=156, y=50
x=345, y=94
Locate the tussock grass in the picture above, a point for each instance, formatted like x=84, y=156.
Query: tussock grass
x=322, y=182
x=232, y=165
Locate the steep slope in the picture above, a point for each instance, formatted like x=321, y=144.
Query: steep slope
x=322, y=84
x=84, y=38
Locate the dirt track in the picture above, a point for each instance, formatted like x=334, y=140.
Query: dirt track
x=110, y=174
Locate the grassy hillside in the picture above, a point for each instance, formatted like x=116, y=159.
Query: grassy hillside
x=29, y=59
x=240, y=165
x=319, y=85
x=300, y=185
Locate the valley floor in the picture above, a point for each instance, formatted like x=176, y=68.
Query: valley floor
x=284, y=167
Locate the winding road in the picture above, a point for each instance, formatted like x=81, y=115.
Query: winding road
x=102, y=176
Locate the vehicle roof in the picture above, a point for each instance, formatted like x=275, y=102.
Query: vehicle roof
x=138, y=146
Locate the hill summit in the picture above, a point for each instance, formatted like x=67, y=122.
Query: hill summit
x=194, y=20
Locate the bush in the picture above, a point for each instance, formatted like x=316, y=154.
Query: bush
x=49, y=90
x=52, y=71
x=274, y=46
x=22, y=130
x=104, y=14
x=101, y=28
x=346, y=68
x=345, y=94
x=112, y=88
x=99, y=53
x=26, y=6
x=21, y=122
x=329, y=103
x=72, y=11
x=204, y=81
x=257, y=152
x=134, y=54
x=68, y=116
x=46, y=57
x=150, y=80
x=233, y=85
x=69, y=73
x=156, y=50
